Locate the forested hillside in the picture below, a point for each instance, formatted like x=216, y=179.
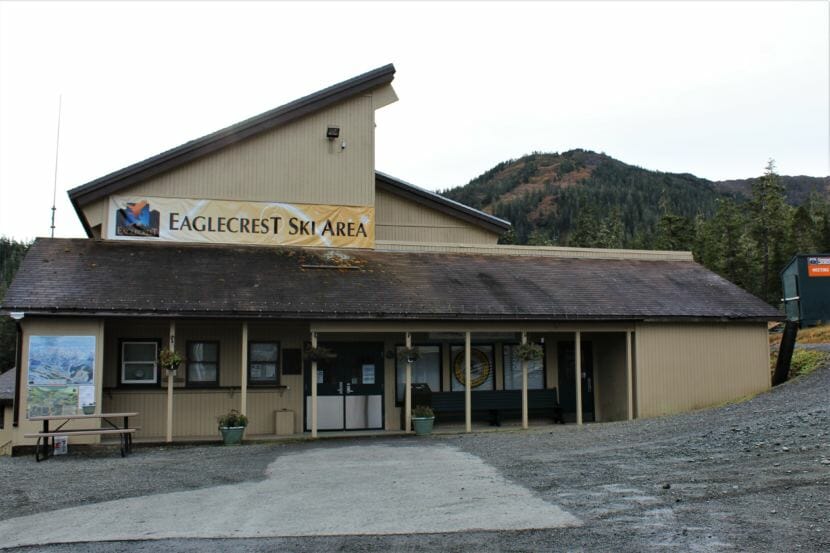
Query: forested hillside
x=743, y=229
x=11, y=254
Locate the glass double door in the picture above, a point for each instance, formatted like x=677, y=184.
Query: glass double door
x=349, y=387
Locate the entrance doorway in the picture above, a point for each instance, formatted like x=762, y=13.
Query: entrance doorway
x=349, y=388
x=567, y=379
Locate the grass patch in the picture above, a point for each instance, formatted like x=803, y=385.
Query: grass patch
x=806, y=361
x=813, y=335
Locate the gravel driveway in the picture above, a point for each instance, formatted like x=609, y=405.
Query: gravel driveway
x=753, y=476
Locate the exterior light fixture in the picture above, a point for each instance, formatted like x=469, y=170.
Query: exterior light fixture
x=332, y=132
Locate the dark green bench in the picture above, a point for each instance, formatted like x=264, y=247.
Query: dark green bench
x=496, y=402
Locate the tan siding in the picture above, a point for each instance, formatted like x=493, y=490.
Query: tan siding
x=295, y=163
x=688, y=366
x=402, y=220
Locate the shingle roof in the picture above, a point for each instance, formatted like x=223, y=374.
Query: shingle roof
x=86, y=276
x=7, y=380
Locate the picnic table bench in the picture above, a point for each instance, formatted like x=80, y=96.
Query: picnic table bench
x=43, y=449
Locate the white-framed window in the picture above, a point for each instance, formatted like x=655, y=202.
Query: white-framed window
x=139, y=362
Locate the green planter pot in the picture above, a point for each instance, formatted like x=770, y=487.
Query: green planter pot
x=422, y=425
x=232, y=435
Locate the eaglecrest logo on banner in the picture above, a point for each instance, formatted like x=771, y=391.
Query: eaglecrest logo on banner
x=233, y=222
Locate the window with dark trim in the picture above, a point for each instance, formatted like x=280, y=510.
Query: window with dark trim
x=138, y=361
x=426, y=369
x=202, y=363
x=513, y=369
x=482, y=367
x=263, y=363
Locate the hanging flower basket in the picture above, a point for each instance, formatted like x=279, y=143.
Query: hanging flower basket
x=169, y=359
x=319, y=353
x=529, y=351
x=409, y=355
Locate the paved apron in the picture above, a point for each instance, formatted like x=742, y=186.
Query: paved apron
x=363, y=489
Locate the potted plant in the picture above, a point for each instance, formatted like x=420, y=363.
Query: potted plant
x=169, y=359
x=422, y=420
x=232, y=427
x=409, y=355
x=529, y=351
x=320, y=353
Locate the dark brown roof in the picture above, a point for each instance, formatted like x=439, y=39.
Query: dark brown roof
x=436, y=201
x=7, y=380
x=83, y=276
x=165, y=161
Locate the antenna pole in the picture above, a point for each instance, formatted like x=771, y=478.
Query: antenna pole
x=57, y=149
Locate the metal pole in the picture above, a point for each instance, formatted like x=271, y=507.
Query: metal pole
x=55, y=182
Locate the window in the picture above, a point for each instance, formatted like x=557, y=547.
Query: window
x=263, y=361
x=513, y=370
x=203, y=363
x=482, y=369
x=139, y=362
x=426, y=369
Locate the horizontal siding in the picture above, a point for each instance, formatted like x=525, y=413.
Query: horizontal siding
x=680, y=367
x=402, y=220
x=295, y=163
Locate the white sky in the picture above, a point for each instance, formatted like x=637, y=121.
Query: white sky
x=709, y=88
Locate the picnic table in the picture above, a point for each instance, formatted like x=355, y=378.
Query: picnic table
x=125, y=433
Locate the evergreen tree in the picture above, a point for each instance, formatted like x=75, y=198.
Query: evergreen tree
x=768, y=227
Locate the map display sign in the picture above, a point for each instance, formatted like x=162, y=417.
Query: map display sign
x=61, y=375
x=237, y=222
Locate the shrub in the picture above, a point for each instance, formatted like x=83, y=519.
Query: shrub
x=233, y=418
x=422, y=411
x=806, y=361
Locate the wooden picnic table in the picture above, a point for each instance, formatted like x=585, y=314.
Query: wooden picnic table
x=125, y=433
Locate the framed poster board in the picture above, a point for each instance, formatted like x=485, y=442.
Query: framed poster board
x=61, y=375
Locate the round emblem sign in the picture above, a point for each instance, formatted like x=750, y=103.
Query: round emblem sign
x=479, y=368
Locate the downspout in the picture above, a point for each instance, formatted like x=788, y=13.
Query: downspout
x=18, y=361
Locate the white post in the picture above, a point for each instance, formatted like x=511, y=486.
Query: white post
x=243, y=408
x=578, y=347
x=313, y=389
x=468, y=405
x=524, y=385
x=172, y=345
x=407, y=382
x=629, y=375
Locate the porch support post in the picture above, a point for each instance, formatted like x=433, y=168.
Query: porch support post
x=407, y=404
x=468, y=406
x=313, y=389
x=629, y=375
x=243, y=377
x=578, y=346
x=168, y=436
x=524, y=385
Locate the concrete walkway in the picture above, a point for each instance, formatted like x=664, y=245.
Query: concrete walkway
x=350, y=490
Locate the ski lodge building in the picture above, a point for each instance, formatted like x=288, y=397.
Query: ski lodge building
x=242, y=248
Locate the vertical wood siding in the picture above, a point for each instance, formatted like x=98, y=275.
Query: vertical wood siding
x=688, y=366
x=402, y=220
x=295, y=163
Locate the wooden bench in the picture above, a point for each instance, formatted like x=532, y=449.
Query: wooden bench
x=495, y=402
x=43, y=450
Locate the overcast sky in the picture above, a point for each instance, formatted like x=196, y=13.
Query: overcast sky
x=709, y=88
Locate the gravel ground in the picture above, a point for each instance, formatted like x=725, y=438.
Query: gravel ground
x=753, y=476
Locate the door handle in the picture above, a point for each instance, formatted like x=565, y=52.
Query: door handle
x=349, y=388
x=339, y=387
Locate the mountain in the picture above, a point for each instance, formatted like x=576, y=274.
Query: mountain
x=580, y=197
